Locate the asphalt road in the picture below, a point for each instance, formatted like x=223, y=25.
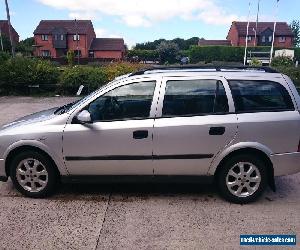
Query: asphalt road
x=148, y=216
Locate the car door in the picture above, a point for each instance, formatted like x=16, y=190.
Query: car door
x=195, y=120
x=119, y=140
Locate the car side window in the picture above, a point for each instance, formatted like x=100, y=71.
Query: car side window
x=132, y=101
x=194, y=97
x=260, y=96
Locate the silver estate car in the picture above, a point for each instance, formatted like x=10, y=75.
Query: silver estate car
x=236, y=127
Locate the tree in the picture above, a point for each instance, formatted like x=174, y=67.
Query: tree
x=70, y=57
x=25, y=46
x=295, y=26
x=6, y=44
x=168, y=52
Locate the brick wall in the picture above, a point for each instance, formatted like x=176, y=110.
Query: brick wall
x=45, y=45
x=118, y=55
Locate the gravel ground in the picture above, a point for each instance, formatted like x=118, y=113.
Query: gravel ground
x=148, y=216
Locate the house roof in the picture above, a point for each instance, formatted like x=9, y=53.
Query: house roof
x=71, y=26
x=4, y=28
x=282, y=28
x=107, y=44
x=204, y=42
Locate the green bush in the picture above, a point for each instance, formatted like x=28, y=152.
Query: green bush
x=16, y=74
x=216, y=53
x=143, y=55
x=282, y=61
x=4, y=56
x=90, y=77
x=255, y=62
x=292, y=72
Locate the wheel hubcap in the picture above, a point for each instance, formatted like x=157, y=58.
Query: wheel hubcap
x=243, y=179
x=32, y=175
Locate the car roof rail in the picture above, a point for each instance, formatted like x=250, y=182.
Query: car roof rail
x=198, y=68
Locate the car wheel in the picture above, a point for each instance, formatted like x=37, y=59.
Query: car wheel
x=242, y=179
x=33, y=174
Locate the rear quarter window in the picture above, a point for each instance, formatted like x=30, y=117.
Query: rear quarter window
x=260, y=96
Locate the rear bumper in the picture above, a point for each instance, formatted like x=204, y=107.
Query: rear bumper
x=3, y=176
x=286, y=164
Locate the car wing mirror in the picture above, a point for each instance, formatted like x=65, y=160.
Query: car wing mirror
x=84, y=117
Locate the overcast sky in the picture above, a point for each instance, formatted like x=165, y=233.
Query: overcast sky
x=144, y=20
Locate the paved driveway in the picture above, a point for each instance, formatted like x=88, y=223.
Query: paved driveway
x=137, y=216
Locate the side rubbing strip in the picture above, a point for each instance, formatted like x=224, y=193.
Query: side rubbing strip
x=138, y=158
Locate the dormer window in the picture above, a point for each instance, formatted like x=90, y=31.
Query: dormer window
x=45, y=37
x=282, y=39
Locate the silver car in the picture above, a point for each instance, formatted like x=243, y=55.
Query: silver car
x=236, y=127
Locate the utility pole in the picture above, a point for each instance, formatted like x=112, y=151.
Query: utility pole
x=1, y=41
x=9, y=30
x=257, y=16
x=77, y=40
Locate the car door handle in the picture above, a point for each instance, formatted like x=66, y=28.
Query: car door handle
x=140, y=134
x=217, y=131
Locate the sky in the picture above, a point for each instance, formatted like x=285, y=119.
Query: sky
x=146, y=20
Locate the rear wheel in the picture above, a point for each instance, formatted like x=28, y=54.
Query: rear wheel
x=242, y=179
x=33, y=174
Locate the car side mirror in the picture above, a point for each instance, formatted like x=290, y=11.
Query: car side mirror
x=84, y=117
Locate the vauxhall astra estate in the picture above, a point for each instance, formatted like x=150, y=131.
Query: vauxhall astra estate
x=236, y=127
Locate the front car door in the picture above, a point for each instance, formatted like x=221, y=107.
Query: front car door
x=195, y=121
x=119, y=140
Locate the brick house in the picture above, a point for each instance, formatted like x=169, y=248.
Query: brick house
x=107, y=48
x=54, y=38
x=284, y=36
x=5, y=31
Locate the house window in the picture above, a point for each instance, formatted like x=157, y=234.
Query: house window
x=46, y=53
x=249, y=38
x=76, y=37
x=263, y=39
x=62, y=37
x=77, y=53
x=45, y=37
x=91, y=54
x=282, y=39
x=270, y=39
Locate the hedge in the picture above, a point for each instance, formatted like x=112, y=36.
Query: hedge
x=17, y=73
x=226, y=53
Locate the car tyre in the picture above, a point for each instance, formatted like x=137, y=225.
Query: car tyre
x=242, y=179
x=34, y=174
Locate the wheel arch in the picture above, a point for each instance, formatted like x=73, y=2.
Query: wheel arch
x=23, y=146
x=255, y=152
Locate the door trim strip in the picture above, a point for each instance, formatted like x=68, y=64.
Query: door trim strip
x=138, y=157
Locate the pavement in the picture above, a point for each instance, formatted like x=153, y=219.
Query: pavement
x=137, y=216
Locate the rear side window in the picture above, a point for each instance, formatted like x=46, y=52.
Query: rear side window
x=194, y=97
x=260, y=96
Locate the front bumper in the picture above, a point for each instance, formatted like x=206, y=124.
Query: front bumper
x=3, y=176
x=286, y=164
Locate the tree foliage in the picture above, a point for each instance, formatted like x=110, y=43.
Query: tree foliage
x=295, y=26
x=181, y=43
x=168, y=52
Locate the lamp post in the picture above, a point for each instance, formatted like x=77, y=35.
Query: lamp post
x=9, y=30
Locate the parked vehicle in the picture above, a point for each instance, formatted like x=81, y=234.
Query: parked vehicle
x=238, y=127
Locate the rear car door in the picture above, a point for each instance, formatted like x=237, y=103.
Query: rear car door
x=195, y=120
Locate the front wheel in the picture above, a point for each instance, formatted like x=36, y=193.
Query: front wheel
x=33, y=174
x=242, y=179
